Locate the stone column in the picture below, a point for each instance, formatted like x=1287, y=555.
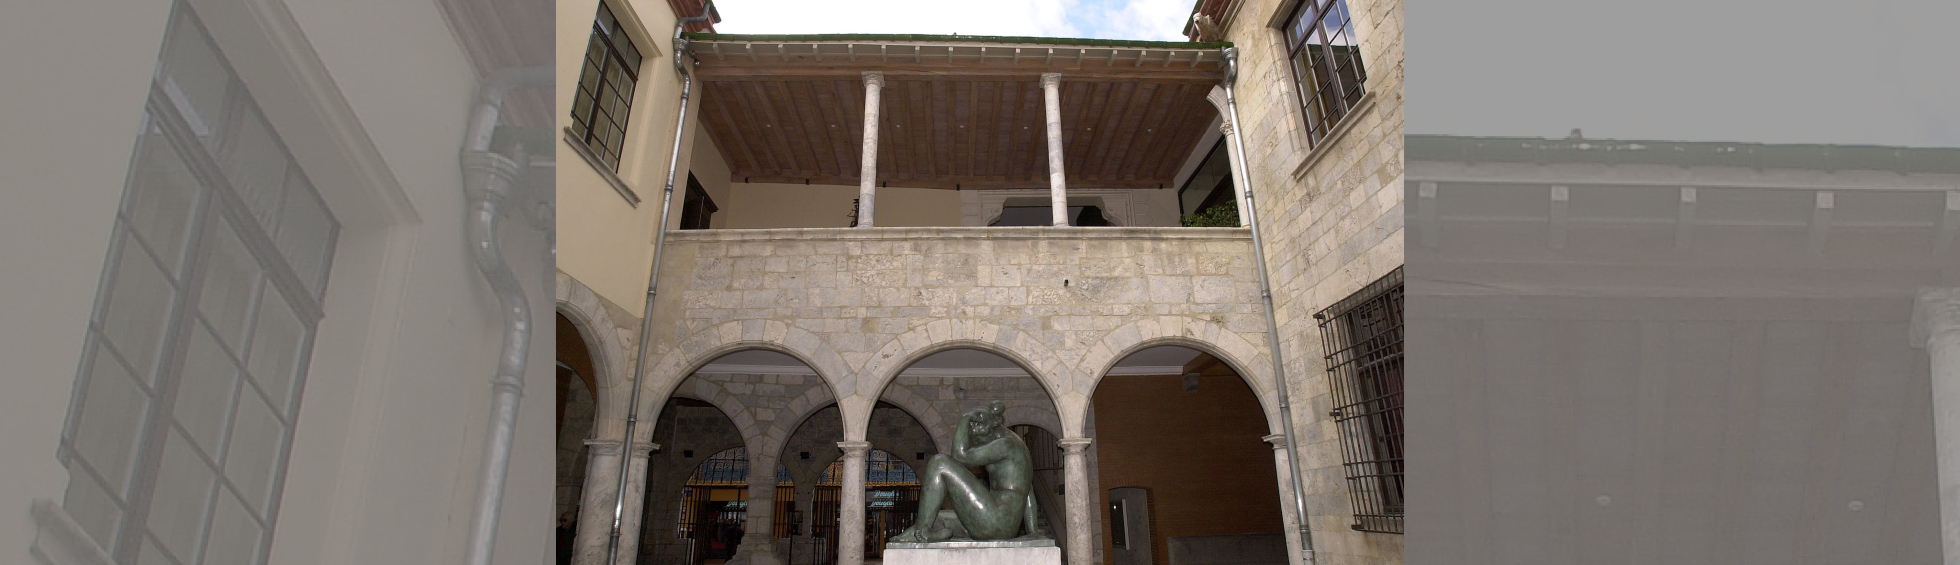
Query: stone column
x=759, y=536
x=1232, y=155
x=850, y=504
x=1051, y=84
x=802, y=547
x=1075, y=487
x=595, y=516
x=1287, y=516
x=1936, y=326
x=868, y=168
x=1217, y=99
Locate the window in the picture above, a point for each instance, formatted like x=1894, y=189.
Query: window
x=696, y=208
x=1363, y=337
x=195, y=356
x=1326, y=64
x=605, y=88
x=1210, y=184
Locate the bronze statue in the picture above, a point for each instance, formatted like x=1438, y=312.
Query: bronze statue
x=999, y=509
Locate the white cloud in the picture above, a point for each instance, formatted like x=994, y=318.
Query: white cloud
x=1102, y=19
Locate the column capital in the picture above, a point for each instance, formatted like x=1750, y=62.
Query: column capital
x=874, y=79
x=611, y=447
x=1051, y=79
x=1936, y=312
x=1278, y=440
x=854, y=448
x=1075, y=445
x=1225, y=127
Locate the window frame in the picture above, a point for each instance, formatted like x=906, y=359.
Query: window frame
x=1349, y=89
x=215, y=209
x=604, y=55
x=697, y=208
x=1362, y=337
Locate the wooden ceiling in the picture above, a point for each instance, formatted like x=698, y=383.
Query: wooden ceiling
x=958, y=123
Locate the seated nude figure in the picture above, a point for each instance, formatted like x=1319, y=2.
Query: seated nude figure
x=997, y=509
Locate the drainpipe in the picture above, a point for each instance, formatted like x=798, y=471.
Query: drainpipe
x=681, y=59
x=490, y=179
x=1244, y=181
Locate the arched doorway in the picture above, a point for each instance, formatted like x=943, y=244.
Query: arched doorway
x=736, y=408
x=891, y=501
x=577, y=401
x=714, y=506
x=1165, y=420
x=891, y=487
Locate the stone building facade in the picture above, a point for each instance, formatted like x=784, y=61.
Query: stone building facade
x=1063, y=306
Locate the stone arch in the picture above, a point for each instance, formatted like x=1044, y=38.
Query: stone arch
x=691, y=353
x=716, y=393
x=902, y=445
x=923, y=412
x=1018, y=415
x=1228, y=346
x=900, y=352
x=803, y=407
x=604, y=338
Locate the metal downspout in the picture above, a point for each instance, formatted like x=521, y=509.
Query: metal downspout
x=681, y=59
x=490, y=179
x=1251, y=212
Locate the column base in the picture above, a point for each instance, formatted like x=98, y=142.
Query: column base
x=755, y=554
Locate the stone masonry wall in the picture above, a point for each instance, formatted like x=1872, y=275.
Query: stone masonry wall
x=1332, y=222
x=858, y=305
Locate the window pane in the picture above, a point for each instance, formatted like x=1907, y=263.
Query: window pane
x=605, y=20
x=163, y=197
x=256, y=165
x=230, y=277
x=113, y=407
x=1303, y=22
x=582, y=108
x=627, y=51
x=182, y=500
x=140, y=302
x=1330, y=22
x=195, y=79
x=204, y=394
x=625, y=88
x=278, y=341
x=92, y=508
x=255, y=449
x=588, y=79
x=306, y=234
x=234, y=534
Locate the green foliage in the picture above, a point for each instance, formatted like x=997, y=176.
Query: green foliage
x=1222, y=215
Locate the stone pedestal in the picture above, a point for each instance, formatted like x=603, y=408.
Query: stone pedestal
x=1030, y=552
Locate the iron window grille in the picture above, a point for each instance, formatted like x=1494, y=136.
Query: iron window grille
x=1362, y=335
x=1326, y=63
x=605, y=88
x=182, y=419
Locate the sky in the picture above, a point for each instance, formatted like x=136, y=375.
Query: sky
x=1878, y=72
x=1156, y=20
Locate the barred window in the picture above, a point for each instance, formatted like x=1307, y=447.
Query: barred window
x=182, y=418
x=605, y=88
x=1326, y=64
x=1363, y=340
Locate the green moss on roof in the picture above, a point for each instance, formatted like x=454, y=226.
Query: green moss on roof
x=799, y=38
x=1682, y=153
